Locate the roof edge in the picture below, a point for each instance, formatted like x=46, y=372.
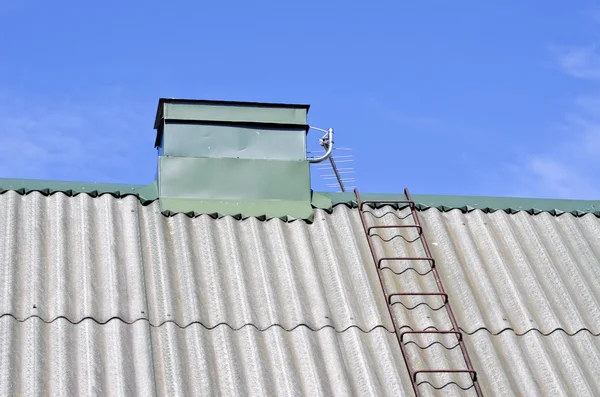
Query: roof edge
x=487, y=204
x=321, y=200
x=162, y=101
x=145, y=193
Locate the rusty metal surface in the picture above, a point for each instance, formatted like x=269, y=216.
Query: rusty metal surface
x=302, y=300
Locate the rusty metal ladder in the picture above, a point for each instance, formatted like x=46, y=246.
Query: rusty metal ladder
x=389, y=296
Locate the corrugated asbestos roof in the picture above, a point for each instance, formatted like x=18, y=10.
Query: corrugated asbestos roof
x=107, y=296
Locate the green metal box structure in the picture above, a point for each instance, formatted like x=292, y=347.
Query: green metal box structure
x=233, y=158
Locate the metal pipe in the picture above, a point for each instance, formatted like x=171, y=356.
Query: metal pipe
x=326, y=142
x=337, y=174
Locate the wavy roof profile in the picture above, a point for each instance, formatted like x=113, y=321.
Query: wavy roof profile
x=103, y=294
x=149, y=193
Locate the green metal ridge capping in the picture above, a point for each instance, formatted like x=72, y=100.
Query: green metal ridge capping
x=145, y=193
x=149, y=193
x=510, y=205
x=321, y=200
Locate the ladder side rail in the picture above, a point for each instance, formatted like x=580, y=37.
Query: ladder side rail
x=386, y=295
x=463, y=347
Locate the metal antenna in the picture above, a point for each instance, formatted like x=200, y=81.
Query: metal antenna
x=327, y=142
x=339, y=175
x=342, y=177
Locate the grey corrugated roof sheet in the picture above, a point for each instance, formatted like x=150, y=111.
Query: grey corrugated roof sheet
x=107, y=296
x=60, y=358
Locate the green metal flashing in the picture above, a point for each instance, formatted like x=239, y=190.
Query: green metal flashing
x=145, y=193
x=510, y=205
x=322, y=200
x=149, y=193
x=262, y=210
x=249, y=187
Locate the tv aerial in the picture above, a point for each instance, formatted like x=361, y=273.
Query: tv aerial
x=341, y=178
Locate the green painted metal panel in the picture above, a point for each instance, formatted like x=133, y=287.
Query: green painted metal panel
x=231, y=112
x=235, y=186
x=232, y=156
x=237, y=179
x=283, y=209
x=321, y=201
x=222, y=141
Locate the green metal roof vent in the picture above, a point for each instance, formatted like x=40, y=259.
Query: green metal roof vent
x=233, y=158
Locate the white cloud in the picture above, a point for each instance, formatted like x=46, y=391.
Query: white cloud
x=556, y=176
x=59, y=139
x=579, y=61
x=570, y=166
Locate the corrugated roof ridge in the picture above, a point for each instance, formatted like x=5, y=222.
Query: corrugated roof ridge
x=466, y=204
x=444, y=203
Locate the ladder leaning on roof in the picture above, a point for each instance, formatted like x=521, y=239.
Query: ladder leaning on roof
x=391, y=298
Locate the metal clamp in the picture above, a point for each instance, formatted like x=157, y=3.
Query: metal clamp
x=327, y=142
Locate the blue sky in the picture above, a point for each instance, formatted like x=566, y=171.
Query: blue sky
x=460, y=98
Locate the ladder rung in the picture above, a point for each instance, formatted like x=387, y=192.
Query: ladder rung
x=418, y=227
x=387, y=213
x=446, y=371
x=459, y=334
x=443, y=294
x=409, y=202
x=406, y=259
